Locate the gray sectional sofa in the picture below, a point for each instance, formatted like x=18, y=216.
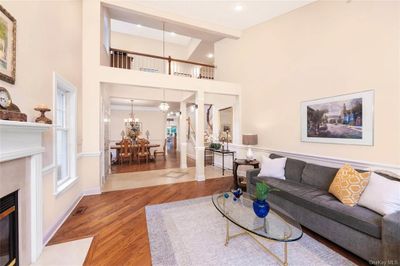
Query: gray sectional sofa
x=304, y=194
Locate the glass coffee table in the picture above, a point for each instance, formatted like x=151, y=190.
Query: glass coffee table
x=276, y=226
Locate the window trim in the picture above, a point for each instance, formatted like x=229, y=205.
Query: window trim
x=70, y=124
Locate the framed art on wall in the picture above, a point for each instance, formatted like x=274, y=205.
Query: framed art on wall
x=8, y=30
x=343, y=119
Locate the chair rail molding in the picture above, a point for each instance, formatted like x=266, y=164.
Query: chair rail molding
x=89, y=154
x=318, y=159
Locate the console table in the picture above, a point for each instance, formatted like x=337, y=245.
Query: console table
x=223, y=153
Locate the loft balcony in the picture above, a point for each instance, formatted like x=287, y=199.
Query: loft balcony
x=159, y=64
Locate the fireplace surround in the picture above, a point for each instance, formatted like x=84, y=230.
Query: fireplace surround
x=9, y=229
x=21, y=167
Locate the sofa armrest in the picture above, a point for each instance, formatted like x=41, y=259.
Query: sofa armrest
x=250, y=174
x=391, y=238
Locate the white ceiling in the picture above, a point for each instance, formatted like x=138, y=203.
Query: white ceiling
x=150, y=33
x=223, y=13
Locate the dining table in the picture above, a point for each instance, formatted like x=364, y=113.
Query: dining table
x=119, y=147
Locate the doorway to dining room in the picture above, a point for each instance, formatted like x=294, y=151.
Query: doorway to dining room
x=143, y=137
x=148, y=144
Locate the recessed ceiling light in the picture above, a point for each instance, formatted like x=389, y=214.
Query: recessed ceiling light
x=138, y=25
x=173, y=33
x=238, y=7
x=210, y=55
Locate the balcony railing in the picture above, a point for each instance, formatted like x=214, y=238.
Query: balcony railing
x=159, y=64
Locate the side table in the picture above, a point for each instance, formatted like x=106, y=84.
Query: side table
x=236, y=164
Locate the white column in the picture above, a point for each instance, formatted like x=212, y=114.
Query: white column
x=182, y=134
x=237, y=128
x=215, y=122
x=36, y=217
x=200, y=135
x=178, y=134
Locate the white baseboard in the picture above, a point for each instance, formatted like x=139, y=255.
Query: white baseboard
x=50, y=233
x=91, y=191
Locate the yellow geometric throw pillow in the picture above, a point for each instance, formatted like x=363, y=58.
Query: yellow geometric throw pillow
x=348, y=185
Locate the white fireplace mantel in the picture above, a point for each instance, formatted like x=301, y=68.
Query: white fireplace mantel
x=21, y=140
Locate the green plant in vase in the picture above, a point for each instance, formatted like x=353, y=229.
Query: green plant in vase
x=260, y=205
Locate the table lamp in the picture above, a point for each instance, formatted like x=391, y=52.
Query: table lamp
x=249, y=139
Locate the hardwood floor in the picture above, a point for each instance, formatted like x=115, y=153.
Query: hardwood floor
x=117, y=221
x=172, y=161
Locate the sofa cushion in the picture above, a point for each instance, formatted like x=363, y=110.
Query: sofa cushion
x=321, y=202
x=348, y=185
x=381, y=195
x=293, y=169
x=273, y=167
x=318, y=176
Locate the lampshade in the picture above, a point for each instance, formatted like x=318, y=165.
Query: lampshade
x=250, y=139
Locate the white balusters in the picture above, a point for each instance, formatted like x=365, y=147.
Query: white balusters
x=155, y=64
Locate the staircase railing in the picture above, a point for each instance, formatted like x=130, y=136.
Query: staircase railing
x=159, y=64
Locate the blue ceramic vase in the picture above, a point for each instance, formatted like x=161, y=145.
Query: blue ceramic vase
x=261, y=208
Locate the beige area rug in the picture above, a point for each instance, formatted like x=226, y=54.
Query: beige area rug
x=192, y=232
x=71, y=253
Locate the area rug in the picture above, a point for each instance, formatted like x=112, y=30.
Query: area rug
x=192, y=232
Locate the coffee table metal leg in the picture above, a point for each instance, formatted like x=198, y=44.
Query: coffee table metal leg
x=283, y=262
x=227, y=232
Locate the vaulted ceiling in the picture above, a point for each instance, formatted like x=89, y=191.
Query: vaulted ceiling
x=231, y=14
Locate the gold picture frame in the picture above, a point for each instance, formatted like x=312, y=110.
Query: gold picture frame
x=8, y=41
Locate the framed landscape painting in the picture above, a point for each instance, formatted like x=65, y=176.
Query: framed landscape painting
x=344, y=119
x=7, y=46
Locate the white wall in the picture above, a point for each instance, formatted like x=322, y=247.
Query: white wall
x=324, y=49
x=148, y=46
x=48, y=39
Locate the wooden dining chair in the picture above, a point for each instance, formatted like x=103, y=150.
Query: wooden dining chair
x=125, y=151
x=161, y=153
x=143, y=151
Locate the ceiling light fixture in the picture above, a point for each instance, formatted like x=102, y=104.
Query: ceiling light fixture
x=138, y=25
x=193, y=107
x=164, y=106
x=132, y=120
x=210, y=55
x=238, y=7
x=173, y=33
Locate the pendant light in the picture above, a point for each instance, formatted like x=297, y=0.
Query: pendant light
x=164, y=106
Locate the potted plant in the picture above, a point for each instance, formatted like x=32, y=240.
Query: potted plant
x=215, y=146
x=260, y=205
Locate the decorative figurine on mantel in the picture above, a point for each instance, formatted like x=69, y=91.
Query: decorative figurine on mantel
x=42, y=118
x=8, y=110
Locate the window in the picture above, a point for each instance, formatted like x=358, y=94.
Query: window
x=64, y=133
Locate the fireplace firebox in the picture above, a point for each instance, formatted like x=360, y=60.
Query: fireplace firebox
x=9, y=230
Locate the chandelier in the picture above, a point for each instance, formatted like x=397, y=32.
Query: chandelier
x=164, y=106
x=131, y=120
